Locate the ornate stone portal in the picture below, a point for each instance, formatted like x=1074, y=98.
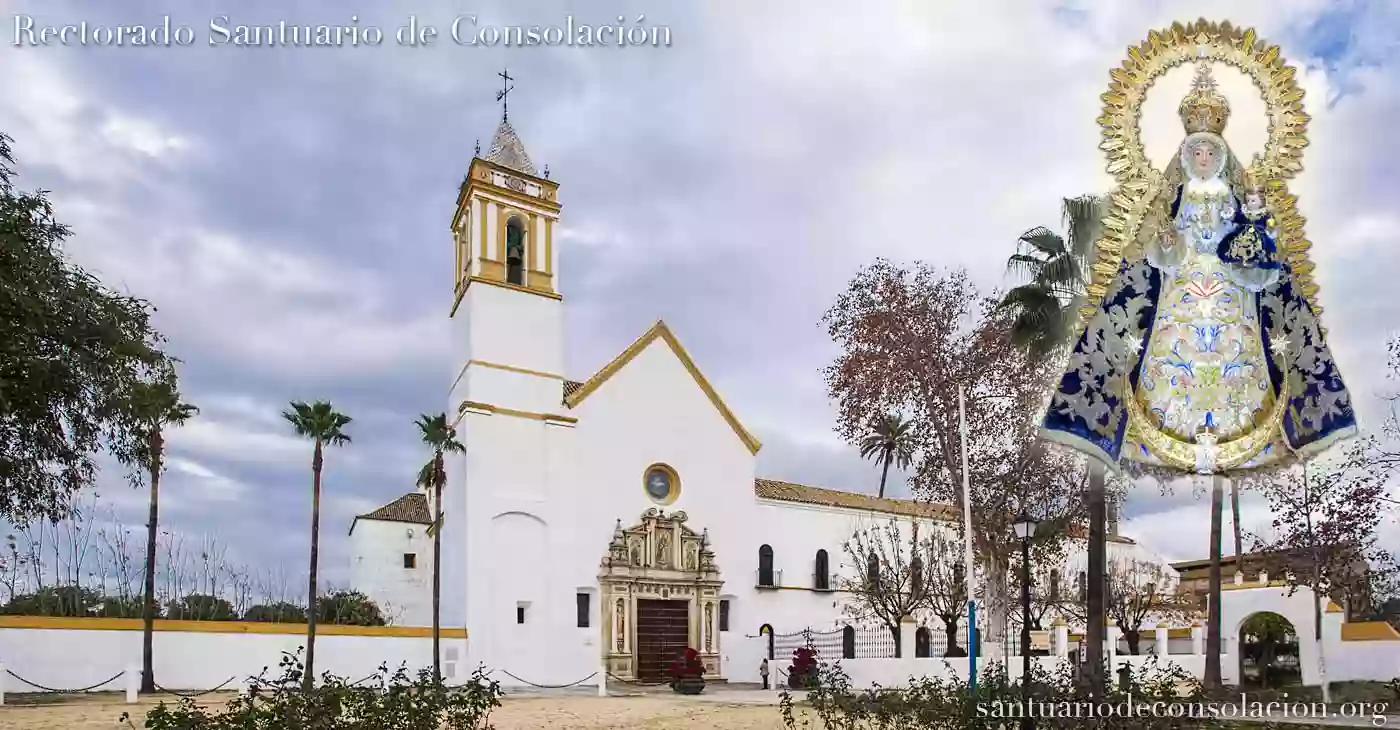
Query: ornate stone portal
x=658, y=559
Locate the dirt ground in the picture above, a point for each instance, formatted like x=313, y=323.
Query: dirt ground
x=572, y=712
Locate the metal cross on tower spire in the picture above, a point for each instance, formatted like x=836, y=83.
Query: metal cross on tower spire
x=504, y=92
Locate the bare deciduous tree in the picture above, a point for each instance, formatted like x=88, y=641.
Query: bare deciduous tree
x=910, y=338
x=1138, y=590
x=1328, y=514
x=885, y=576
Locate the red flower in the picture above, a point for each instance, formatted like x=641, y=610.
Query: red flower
x=688, y=664
x=804, y=662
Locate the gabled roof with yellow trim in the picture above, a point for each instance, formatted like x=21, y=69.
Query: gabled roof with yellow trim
x=575, y=392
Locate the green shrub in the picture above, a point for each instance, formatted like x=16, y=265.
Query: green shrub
x=384, y=702
x=938, y=703
x=281, y=612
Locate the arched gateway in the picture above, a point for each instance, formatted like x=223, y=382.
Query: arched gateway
x=660, y=591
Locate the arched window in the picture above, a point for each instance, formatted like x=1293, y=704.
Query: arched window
x=848, y=642
x=1054, y=586
x=767, y=630
x=922, y=648
x=872, y=569
x=515, y=251
x=916, y=578
x=821, y=579
x=765, y=565
x=959, y=572
x=1082, y=586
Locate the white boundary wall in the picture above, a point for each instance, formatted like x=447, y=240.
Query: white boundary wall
x=74, y=658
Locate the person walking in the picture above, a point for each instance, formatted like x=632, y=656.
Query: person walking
x=763, y=672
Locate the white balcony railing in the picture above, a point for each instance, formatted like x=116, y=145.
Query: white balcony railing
x=768, y=579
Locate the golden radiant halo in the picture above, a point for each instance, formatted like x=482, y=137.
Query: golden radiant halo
x=1139, y=182
x=1179, y=454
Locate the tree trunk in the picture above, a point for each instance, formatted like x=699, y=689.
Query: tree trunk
x=898, y=650
x=1235, y=514
x=1133, y=637
x=996, y=595
x=883, y=474
x=1094, y=630
x=437, y=570
x=950, y=629
x=148, y=607
x=1317, y=637
x=310, y=679
x=1213, y=628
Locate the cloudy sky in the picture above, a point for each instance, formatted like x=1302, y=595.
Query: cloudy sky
x=287, y=209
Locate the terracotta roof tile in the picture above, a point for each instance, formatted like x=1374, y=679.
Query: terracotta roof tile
x=411, y=507
x=1080, y=532
x=801, y=493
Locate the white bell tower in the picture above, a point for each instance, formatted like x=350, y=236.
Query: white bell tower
x=506, y=302
x=506, y=404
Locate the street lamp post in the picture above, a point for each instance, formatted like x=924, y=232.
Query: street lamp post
x=1025, y=529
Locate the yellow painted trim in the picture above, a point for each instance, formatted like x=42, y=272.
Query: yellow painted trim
x=220, y=627
x=662, y=331
x=511, y=369
x=1369, y=631
x=499, y=411
x=480, y=181
x=484, y=216
x=672, y=495
x=513, y=287
x=549, y=246
x=539, y=281
x=1254, y=584
x=485, y=187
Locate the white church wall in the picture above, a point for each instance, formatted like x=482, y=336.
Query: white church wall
x=206, y=656
x=377, y=569
x=524, y=331
x=1363, y=660
x=579, y=482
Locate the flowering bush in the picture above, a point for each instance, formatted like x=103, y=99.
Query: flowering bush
x=688, y=664
x=687, y=673
x=804, y=667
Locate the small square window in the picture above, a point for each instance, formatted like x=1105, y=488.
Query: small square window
x=410, y=560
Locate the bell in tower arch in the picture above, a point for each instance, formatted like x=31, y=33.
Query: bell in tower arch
x=515, y=252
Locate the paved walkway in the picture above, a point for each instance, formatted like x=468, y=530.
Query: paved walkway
x=719, y=693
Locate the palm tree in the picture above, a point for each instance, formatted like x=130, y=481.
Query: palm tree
x=442, y=439
x=156, y=405
x=1235, y=508
x=320, y=423
x=1212, y=676
x=1046, y=306
x=1045, y=312
x=891, y=442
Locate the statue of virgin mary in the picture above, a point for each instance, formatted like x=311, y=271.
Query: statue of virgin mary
x=1204, y=355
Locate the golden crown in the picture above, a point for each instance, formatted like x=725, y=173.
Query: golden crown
x=1204, y=109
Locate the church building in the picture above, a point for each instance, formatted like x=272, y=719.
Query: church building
x=611, y=521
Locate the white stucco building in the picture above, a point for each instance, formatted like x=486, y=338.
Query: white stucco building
x=609, y=521
x=392, y=559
